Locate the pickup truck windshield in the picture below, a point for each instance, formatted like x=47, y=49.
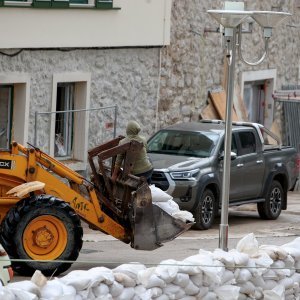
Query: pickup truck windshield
x=183, y=143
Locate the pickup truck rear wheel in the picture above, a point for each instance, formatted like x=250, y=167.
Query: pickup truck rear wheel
x=41, y=228
x=271, y=208
x=204, y=214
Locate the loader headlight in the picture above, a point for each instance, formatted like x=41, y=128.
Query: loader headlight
x=192, y=174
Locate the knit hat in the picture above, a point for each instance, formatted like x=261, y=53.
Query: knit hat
x=133, y=128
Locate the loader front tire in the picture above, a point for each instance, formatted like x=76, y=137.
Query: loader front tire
x=41, y=228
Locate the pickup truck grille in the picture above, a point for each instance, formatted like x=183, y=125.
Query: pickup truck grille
x=160, y=180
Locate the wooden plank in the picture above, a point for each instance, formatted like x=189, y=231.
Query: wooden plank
x=209, y=112
x=219, y=101
x=239, y=104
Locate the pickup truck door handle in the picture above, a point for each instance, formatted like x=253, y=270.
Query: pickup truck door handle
x=259, y=161
x=240, y=165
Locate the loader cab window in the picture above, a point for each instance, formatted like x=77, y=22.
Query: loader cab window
x=6, y=105
x=64, y=121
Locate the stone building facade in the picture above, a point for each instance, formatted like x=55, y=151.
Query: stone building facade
x=157, y=85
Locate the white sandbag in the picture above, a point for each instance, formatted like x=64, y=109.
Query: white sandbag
x=101, y=274
x=275, y=252
x=247, y=288
x=167, y=270
x=127, y=294
x=289, y=262
x=288, y=292
x=55, y=289
x=23, y=295
x=149, y=279
x=270, y=274
x=38, y=278
x=197, y=279
x=173, y=291
x=263, y=262
x=258, y=282
x=104, y=297
x=287, y=283
x=279, y=268
x=141, y=293
x=203, y=292
x=85, y=294
x=79, y=279
x=169, y=206
x=243, y=276
x=248, y=244
x=191, y=289
x=225, y=257
x=155, y=292
x=270, y=284
x=296, y=278
x=213, y=269
x=240, y=258
x=130, y=270
x=116, y=289
x=162, y=297
x=184, y=216
x=159, y=195
x=226, y=292
x=189, y=298
x=228, y=277
x=182, y=279
x=210, y=296
x=124, y=279
x=25, y=285
x=251, y=266
x=6, y=294
x=100, y=290
x=277, y=293
x=52, y=289
x=290, y=297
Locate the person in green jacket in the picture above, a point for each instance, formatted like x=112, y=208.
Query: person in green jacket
x=142, y=165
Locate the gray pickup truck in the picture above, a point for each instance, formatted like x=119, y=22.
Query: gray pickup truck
x=188, y=165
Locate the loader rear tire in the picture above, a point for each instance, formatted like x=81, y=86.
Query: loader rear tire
x=41, y=228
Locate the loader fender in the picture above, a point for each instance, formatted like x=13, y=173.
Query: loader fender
x=26, y=188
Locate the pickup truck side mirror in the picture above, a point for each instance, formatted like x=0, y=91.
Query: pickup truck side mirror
x=233, y=155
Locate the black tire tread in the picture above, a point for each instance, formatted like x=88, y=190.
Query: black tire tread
x=13, y=218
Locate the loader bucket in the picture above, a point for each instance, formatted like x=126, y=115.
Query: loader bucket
x=151, y=225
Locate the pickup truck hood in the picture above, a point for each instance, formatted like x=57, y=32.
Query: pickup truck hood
x=176, y=163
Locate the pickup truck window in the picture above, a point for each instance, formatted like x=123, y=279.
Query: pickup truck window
x=248, y=143
x=183, y=143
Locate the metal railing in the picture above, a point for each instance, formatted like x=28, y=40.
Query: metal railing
x=101, y=125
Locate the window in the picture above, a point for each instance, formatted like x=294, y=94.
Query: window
x=248, y=144
x=68, y=138
x=6, y=100
x=14, y=107
x=64, y=128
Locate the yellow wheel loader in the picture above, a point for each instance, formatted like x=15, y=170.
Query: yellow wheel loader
x=42, y=204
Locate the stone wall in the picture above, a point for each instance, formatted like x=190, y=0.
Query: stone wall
x=173, y=80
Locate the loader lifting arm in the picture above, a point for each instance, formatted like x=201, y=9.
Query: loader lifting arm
x=45, y=224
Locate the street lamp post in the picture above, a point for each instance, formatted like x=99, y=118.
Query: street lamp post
x=232, y=21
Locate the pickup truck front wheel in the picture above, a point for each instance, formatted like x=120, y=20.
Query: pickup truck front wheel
x=271, y=208
x=204, y=214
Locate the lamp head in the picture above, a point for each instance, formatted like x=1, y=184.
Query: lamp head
x=230, y=18
x=269, y=19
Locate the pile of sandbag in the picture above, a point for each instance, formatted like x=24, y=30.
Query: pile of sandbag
x=248, y=272
x=166, y=203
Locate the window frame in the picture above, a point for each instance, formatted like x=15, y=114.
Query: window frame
x=82, y=83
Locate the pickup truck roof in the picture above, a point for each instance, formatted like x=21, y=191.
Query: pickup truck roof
x=218, y=126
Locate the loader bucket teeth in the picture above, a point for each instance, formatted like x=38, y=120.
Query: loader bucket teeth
x=152, y=226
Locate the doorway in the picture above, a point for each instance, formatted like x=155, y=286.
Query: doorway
x=6, y=115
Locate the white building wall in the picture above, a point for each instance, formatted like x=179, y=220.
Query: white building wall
x=136, y=23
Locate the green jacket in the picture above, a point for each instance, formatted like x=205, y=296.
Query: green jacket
x=142, y=163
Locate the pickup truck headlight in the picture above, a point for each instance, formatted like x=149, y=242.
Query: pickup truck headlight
x=192, y=174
